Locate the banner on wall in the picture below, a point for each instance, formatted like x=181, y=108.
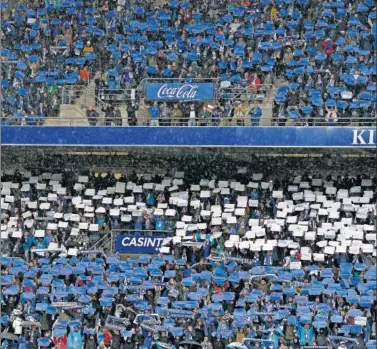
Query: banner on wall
x=138, y=243
x=191, y=136
x=180, y=92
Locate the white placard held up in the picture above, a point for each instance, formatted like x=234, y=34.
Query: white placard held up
x=295, y=265
x=277, y=194
x=83, y=179
x=120, y=187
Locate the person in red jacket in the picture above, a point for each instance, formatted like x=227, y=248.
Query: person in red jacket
x=220, y=289
x=60, y=342
x=329, y=46
x=108, y=337
x=255, y=82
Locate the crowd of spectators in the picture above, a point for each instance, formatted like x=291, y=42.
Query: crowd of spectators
x=112, y=116
x=322, y=50
x=202, y=114
x=273, y=260
x=178, y=114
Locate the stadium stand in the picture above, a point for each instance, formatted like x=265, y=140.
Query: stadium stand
x=279, y=259
x=319, y=55
x=181, y=238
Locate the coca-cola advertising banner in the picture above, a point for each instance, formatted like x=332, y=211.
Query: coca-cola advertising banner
x=180, y=92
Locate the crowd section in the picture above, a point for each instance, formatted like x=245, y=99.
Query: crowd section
x=322, y=53
x=253, y=261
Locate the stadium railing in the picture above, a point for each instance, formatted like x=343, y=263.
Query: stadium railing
x=70, y=93
x=144, y=82
x=107, y=95
x=267, y=121
x=221, y=93
x=263, y=92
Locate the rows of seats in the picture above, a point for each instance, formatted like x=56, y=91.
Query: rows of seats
x=323, y=50
x=247, y=263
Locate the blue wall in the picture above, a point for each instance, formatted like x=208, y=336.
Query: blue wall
x=194, y=136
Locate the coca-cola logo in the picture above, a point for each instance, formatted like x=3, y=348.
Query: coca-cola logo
x=186, y=91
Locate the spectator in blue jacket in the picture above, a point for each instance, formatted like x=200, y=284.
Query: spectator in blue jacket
x=38, y=243
x=216, y=116
x=28, y=242
x=159, y=223
x=148, y=339
x=151, y=200
x=155, y=114
x=255, y=114
x=112, y=82
x=138, y=224
x=305, y=334
x=207, y=248
x=47, y=238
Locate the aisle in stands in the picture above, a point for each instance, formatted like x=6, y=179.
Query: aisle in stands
x=251, y=262
x=322, y=53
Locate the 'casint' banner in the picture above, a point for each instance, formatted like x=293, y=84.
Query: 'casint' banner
x=138, y=243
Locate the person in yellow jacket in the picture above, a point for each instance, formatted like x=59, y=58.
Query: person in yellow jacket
x=240, y=114
x=240, y=335
x=273, y=12
x=176, y=115
x=88, y=48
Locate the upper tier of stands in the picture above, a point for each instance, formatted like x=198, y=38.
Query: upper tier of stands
x=321, y=53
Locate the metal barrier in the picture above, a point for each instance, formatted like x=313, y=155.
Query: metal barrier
x=144, y=232
x=246, y=94
x=267, y=121
x=222, y=91
x=70, y=93
x=101, y=243
x=143, y=83
x=117, y=96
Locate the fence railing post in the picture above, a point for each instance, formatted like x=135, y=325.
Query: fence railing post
x=112, y=242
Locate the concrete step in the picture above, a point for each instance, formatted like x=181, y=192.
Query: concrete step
x=87, y=98
x=66, y=122
x=123, y=110
x=57, y=122
x=67, y=111
x=70, y=115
